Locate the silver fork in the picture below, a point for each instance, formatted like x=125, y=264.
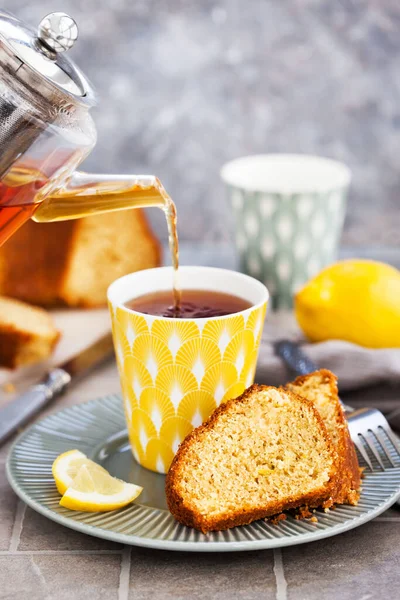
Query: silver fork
x=369, y=429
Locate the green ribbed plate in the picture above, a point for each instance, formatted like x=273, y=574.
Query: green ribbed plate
x=97, y=428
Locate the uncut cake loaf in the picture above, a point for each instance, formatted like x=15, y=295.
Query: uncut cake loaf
x=257, y=455
x=321, y=389
x=72, y=263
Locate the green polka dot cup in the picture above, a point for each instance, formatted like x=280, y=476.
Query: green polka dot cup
x=289, y=211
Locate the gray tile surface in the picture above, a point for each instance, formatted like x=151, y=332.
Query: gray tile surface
x=185, y=86
x=44, y=577
x=180, y=576
x=8, y=504
x=39, y=533
x=363, y=564
x=4, y=449
x=391, y=515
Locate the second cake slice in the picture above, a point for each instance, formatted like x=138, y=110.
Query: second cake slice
x=321, y=388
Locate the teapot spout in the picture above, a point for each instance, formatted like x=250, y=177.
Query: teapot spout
x=87, y=194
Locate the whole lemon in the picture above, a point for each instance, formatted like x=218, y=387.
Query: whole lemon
x=353, y=300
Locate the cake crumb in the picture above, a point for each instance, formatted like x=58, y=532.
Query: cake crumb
x=303, y=513
x=314, y=520
x=275, y=519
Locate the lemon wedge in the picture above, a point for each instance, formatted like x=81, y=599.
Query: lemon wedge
x=66, y=466
x=95, y=490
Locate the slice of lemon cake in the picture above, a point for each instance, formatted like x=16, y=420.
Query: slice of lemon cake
x=321, y=388
x=27, y=334
x=262, y=453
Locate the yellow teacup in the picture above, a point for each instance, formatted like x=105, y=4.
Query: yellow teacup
x=175, y=372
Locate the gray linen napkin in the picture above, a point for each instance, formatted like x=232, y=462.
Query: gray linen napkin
x=356, y=367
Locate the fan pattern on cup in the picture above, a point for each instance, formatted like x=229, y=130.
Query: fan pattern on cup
x=174, y=374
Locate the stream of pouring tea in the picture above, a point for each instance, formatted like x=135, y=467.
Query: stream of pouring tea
x=171, y=217
x=20, y=200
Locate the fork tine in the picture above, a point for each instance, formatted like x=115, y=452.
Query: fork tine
x=383, y=445
x=360, y=448
x=392, y=438
x=373, y=450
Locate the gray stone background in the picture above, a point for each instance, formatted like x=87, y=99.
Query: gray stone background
x=188, y=85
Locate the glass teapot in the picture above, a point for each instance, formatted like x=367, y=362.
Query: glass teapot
x=46, y=131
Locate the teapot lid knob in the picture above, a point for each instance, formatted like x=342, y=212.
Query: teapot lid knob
x=57, y=32
x=39, y=60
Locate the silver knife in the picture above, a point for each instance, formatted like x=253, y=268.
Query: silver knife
x=19, y=411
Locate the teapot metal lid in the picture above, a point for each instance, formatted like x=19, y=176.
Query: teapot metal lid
x=38, y=59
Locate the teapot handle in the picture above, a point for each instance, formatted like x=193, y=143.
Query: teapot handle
x=87, y=194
